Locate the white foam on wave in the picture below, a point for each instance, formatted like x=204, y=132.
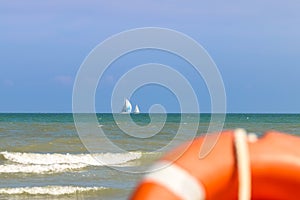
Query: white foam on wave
x=40, y=169
x=55, y=158
x=49, y=190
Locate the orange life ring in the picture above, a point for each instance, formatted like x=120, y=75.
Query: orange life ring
x=274, y=163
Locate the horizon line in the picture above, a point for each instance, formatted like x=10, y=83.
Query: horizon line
x=148, y=113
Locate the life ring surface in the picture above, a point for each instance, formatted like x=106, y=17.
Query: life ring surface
x=274, y=166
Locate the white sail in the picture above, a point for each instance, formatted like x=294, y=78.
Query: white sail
x=127, y=107
x=136, y=110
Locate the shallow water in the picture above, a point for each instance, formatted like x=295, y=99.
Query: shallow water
x=43, y=157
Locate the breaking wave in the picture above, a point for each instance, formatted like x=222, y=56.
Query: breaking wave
x=49, y=190
x=40, y=169
x=55, y=158
x=57, y=163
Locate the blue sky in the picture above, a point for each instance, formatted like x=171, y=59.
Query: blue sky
x=255, y=44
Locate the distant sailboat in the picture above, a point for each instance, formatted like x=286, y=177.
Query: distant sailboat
x=136, y=110
x=127, y=107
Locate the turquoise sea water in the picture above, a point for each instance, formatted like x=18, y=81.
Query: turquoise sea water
x=43, y=157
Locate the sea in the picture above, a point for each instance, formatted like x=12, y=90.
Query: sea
x=49, y=156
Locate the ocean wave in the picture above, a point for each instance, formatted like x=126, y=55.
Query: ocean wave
x=40, y=169
x=101, y=159
x=49, y=190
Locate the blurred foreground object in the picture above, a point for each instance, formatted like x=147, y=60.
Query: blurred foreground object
x=240, y=166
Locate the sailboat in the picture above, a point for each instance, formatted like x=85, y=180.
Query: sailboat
x=136, y=110
x=127, y=107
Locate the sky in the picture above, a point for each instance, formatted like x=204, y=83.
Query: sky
x=255, y=45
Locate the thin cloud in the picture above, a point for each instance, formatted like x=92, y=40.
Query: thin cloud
x=64, y=80
x=8, y=83
x=110, y=79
